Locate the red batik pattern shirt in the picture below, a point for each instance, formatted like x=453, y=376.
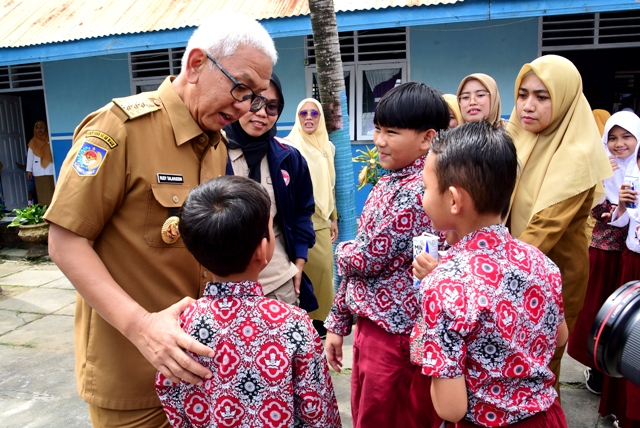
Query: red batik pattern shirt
x=377, y=276
x=490, y=311
x=269, y=369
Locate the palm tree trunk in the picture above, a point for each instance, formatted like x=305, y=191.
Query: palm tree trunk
x=334, y=103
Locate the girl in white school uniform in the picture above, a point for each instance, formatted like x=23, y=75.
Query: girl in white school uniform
x=619, y=396
x=620, y=138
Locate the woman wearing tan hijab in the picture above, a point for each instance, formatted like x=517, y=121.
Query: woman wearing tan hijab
x=309, y=135
x=563, y=160
x=479, y=99
x=455, y=118
x=601, y=117
x=40, y=163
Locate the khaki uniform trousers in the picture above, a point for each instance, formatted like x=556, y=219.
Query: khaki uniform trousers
x=109, y=418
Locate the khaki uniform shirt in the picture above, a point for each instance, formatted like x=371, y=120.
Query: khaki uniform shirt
x=280, y=269
x=559, y=232
x=131, y=166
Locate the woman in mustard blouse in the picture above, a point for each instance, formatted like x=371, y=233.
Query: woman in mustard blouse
x=563, y=162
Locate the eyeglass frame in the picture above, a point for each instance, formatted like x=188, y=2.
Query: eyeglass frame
x=255, y=106
x=279, y=105
x=481, y=92
x=308, y=113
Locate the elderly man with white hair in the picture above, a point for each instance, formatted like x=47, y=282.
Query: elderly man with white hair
x=114, y=218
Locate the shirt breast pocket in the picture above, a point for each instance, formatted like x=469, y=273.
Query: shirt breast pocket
x=165, y=200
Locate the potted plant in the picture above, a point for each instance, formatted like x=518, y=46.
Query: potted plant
x=371, y=170
x=30, y=220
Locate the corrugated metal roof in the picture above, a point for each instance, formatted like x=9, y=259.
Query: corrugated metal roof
x=35, y=22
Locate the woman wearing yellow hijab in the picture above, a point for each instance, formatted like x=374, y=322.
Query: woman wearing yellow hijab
x=455, y=118
x=479, y=99
x=601, y=117
x=40, y=163
x=562, y=159
x=309, y=135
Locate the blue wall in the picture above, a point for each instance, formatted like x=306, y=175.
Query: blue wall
x=74, y=88
x=290, y=70
x=442, y=55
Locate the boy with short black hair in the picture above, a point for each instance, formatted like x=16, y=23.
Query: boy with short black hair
x=377, y=282
x=269, y=368
x=492, y=311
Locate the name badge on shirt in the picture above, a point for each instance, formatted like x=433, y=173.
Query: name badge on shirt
x=170, y=178
x=89, y=159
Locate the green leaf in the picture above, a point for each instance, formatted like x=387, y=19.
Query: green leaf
x=31, y=214
x=371, y=172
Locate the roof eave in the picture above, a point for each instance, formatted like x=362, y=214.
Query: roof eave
x=465, y=11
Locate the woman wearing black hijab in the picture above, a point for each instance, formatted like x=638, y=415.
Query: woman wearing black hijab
x=256, y=152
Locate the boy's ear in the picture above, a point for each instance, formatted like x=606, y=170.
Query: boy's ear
x=460, y=200
x=425, y=144
x=260, y=255
x=456, y=198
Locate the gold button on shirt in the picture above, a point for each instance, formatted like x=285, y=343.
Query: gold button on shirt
x=122, y=208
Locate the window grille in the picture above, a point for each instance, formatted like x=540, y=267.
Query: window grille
x=625, y=81
x=21, y=76
x=367, y=45
x=149, y=68
x=591, y=30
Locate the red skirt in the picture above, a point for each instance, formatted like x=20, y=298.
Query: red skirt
x=629, y=266
x=619, y=396
x=604, y=271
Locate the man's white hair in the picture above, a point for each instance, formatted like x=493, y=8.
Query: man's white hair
x=221, y=34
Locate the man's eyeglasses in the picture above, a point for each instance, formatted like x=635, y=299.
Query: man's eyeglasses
x=304, y=113
x=466, y=97
x=241, y=92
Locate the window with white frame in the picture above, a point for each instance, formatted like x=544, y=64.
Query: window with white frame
x=314, y=91
x=374, y=61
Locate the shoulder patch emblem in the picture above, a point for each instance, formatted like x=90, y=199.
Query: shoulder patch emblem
x=285, y=176
x=136, y=105
x=89, y=159
x=104, y=137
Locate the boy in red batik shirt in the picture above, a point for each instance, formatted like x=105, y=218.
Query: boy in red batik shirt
x=269, y=369
x=491, y=311
x=377, y=282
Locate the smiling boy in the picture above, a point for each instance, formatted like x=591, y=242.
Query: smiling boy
x=377, y=282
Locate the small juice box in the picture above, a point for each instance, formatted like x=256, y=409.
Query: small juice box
x=635, y=185
x=426, y=243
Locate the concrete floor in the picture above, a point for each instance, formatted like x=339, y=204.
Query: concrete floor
x=37, y=385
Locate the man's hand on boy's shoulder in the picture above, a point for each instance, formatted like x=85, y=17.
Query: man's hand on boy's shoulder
x=333, y=349
x=163, y=343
